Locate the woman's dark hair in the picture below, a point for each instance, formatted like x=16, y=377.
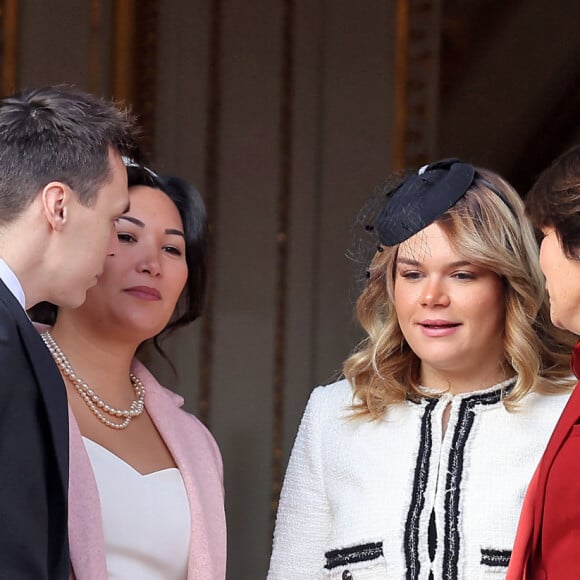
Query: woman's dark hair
x=554, y=201
x=192, y=212
x=191, y=209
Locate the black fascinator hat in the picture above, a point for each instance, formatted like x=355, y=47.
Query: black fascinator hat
x=422, y=198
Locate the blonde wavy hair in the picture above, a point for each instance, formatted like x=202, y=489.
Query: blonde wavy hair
x=491, y=232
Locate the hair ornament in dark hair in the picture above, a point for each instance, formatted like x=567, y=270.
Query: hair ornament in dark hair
x=422, y=198
x=128, y=162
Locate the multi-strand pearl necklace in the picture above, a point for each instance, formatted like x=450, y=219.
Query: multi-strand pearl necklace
x=88, y=395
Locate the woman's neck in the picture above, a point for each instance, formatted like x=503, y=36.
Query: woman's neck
x=456, y=383
x=102, y=360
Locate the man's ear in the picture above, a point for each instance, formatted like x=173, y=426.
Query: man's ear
x=56, y=198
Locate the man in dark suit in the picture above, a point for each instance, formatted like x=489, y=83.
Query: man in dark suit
x=62, y=186
x=547, y=542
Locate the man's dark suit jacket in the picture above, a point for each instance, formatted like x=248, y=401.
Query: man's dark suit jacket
x=33, y=452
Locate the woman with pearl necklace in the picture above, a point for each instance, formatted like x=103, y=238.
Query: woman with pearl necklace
x=145, y=489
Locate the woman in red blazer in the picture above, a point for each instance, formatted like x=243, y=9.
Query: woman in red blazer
x=547, y=544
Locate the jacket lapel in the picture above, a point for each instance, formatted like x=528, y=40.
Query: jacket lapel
x=85, y=524
x=48, y=379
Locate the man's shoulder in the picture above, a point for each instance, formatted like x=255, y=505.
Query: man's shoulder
x=9, y=335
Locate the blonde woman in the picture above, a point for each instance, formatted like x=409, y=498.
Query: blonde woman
x=415, y=465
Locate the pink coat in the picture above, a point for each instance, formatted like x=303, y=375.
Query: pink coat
x=199, y=461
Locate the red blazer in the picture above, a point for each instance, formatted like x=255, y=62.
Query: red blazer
x=547, y=544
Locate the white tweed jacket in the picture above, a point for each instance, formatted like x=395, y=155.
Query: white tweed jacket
x=395, y=498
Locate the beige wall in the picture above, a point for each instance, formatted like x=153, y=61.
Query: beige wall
x=341, y=105
x=221, y=122
x=340, y=137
